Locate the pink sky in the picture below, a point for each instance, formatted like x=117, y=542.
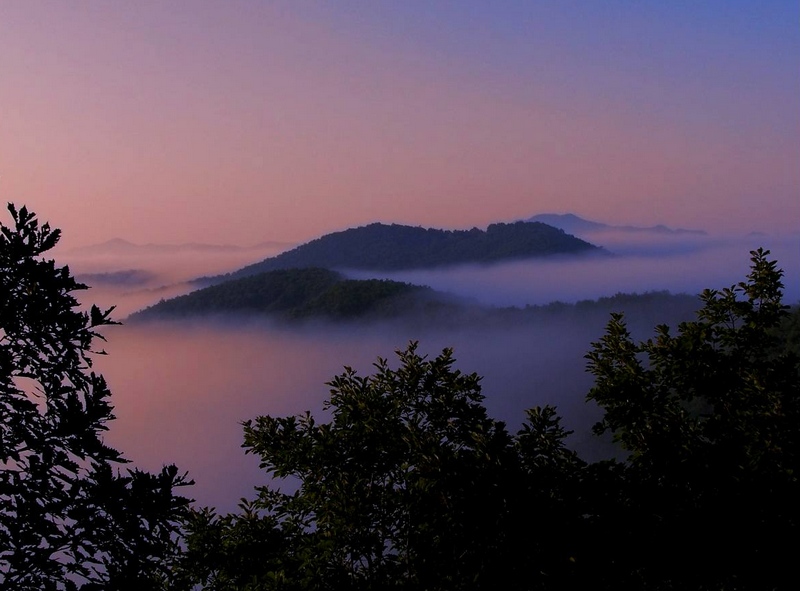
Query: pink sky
x=239, y=122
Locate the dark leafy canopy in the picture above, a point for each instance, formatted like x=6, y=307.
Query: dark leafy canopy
x=294, y=294
x=68, y=520
x=412, y=486
x=409, y=486
x=394, y=247
x=711, y=418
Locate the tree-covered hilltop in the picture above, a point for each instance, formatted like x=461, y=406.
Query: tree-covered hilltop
x=71, y=516
x=300, y=294
x=294, y=294
x=381, y=247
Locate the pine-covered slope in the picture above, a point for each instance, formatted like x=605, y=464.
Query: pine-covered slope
x=302, y=294
x=382, y=247
x=293, y=294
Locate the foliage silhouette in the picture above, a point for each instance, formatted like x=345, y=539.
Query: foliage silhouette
x=411, y=485
x=68, y=519
x=711, y=419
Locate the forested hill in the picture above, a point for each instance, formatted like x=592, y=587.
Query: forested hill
x=299, y=294
x=295, y=294
x=382, y=247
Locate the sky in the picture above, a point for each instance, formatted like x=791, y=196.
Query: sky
x=245, y=121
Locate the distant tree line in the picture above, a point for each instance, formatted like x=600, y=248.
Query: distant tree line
x=383, y=247
x=294, y=295
x=70, y=516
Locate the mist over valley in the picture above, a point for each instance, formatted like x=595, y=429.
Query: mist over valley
x=207, y=374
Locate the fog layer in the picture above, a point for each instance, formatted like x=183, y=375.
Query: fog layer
x=182, y=389
x=635, y=264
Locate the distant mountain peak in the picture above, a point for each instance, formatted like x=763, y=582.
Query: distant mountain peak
x=573, y=224
x=382, y=247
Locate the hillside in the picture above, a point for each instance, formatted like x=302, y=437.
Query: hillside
x=299, y=294
x=381, y=247
x=294, y=294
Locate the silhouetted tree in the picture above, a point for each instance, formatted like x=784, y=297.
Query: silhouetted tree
x=68, y=518
x=411, y=485
x=708, y=497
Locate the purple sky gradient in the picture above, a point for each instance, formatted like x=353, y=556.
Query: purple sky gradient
x=244, y=121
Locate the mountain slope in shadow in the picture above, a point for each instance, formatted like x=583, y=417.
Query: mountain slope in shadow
x=293, y=294
x=382, y=247
x=296, y=295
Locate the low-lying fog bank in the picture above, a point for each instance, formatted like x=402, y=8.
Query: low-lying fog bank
x=180, y=390
x=688, y=266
